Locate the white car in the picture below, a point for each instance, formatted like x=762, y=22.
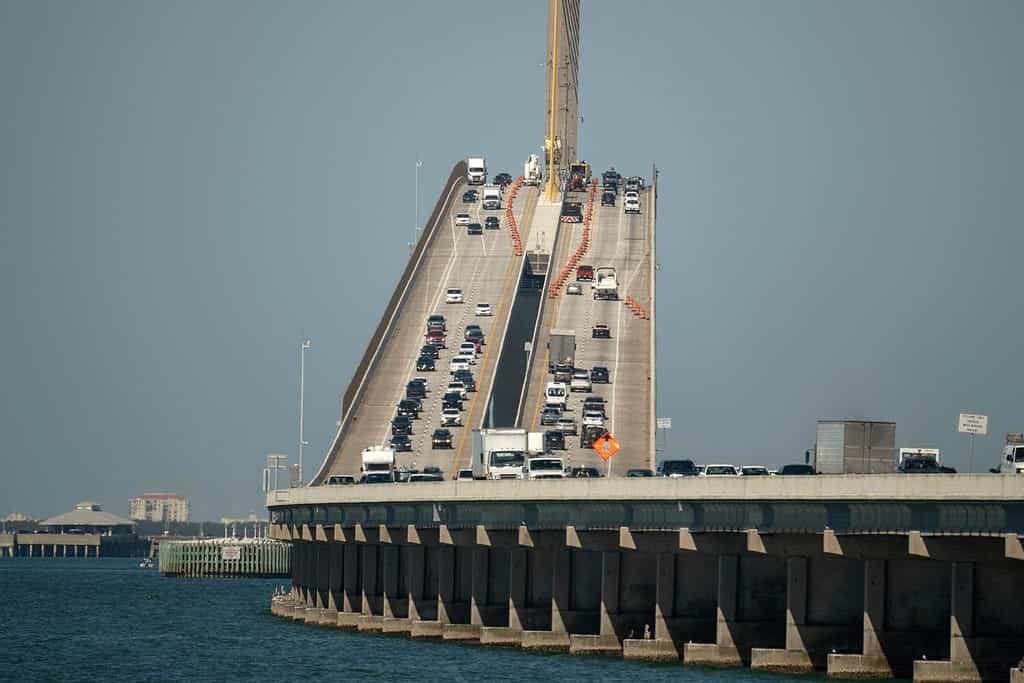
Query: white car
x=593, y=418
x=451, y=417
x=566, y=425
x=458, y=363
x=457, y=387
x=468, y=347
x=483, y=309
x=453, y=296
x=720, y=471
x=462, y=219
x=580, y=381
x=468, y=356
x=573, y=288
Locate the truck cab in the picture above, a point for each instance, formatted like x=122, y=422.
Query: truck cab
x=476, y=171
x=1012, y=461
x=491, y=198
x=378, y=460
x=531, y=170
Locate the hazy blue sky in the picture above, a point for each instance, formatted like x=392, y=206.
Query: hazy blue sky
x=186, y=186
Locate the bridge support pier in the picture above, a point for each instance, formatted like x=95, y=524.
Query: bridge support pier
x=351, y=592
x=371, y=613
x=663, y=646
x=558, y=562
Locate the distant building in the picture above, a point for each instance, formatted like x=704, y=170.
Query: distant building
x=88, y=518
x=159, y=507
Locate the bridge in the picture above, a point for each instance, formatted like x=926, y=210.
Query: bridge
x=858, y=575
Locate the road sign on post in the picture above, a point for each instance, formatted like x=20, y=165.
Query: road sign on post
x=664, y=423
x=972, y=424
x=606, y=446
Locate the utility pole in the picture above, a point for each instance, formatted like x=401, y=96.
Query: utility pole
x=302, y=396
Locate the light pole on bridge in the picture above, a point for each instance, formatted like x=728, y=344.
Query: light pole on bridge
x=302, y=396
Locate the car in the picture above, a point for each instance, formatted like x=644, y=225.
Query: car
x=437, y=321
x=462, y=219
x=584, y=273
x=465, y=474
x=456, y=387
x=720, y=471
x=639, y=472
x=452, y=400
x=471, y=347
x=599, y=374
x=401, y=425
x=423, y=476
x=430, y=351
x=595, y=404
x=453, y=296
x=566, y=425
x=563, y=373
x=754, y=471
x=483, y=309
x=503, y=179
x=634, y=183
x=409, y=408
x=549, y=416
x=456, y=364
x=377, y=478
x=425, y=364
x=415, y=390
x=797, y=469
x=468, y=356
x=441, y=438
x=469, y=196
x=474, y=229
x=477, y=337
x=590, y=434
x=593, y=418
x=914, y=465
x=492, y=222
x=436, y=338
x=580, y=384
x=574, y=289
x=472, y=328
x=554, y=440
x=402, y=476
x=601, y=331
x=340, y=480
x=584, y=473
x=608, y=198
x=466, y=377
x=451, y=417
x=678, y=468
x=401, y=443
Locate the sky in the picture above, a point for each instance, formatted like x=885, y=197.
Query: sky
x=186, y=189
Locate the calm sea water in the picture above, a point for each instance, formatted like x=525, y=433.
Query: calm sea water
x=98, y=620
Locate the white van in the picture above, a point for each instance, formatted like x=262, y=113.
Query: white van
x=555, y=393
x=1012, y=461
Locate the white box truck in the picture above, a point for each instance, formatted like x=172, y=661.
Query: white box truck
x=491, y=198
x=531, y=170
x=476, y=171
x=501, y=453
x=561, y=350
x=378, y=459
x=606, y=284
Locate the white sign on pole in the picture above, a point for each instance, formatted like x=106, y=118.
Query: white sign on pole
x=231, y=552
x=527, y=346
x=664, y=422
x=972, y=424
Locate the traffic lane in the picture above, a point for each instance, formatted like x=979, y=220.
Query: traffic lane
x=488, y=279
x=386, y=385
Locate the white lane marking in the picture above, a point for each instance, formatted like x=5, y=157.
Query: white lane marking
x=614, y=374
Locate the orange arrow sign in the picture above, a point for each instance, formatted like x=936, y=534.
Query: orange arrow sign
x=606, y=446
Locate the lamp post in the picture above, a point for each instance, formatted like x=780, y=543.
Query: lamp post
x=302, y=395
x=416, y=215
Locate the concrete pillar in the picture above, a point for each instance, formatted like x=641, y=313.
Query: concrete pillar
x=370, y=588
x=796, y=602
x=962, y=665
x=478, y=599
x=611, y=577
x=351, y=597
x=389, y=577
x=872, y=662
x=415, y=572
x=518, y=563
x=665, y=596
x=446, y=583
x=560, y=590
x=728, y=574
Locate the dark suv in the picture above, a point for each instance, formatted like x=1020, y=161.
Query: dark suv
x=924, y=466
x=554, y=440
x=797, y=469
x=599, y=374
x=401, y=425
x=677, y=468
x=607, y=199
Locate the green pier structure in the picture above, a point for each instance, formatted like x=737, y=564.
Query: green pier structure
x=226, y=557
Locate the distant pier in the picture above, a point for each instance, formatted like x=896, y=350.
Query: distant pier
x=226, y=557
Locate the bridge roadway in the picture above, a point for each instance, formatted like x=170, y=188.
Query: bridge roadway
x=486, y=269
x=625, y=242
x=860, y=575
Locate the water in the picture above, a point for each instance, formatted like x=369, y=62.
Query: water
x=106, y=619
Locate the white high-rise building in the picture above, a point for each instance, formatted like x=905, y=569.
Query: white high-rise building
x=159, y=507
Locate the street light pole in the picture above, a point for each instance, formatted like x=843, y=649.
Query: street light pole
x=416, y=215
x=302, y=395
